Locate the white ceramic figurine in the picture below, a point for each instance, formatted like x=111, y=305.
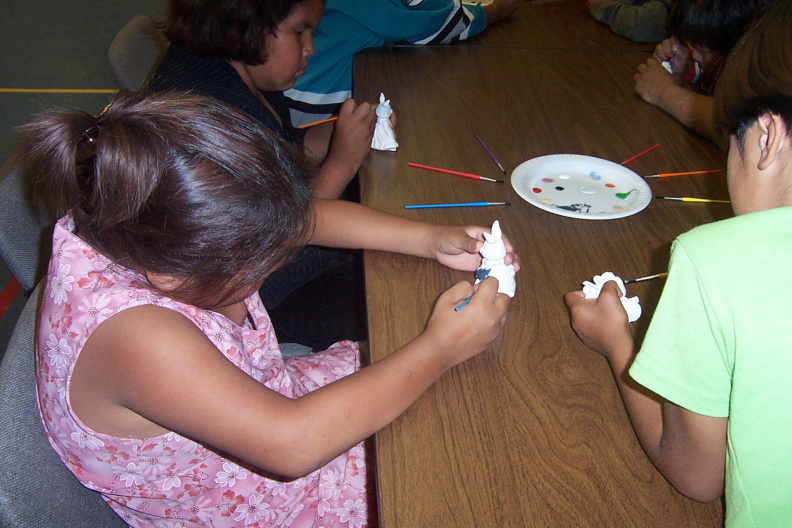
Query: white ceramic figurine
x=384, y=138
x=631, y=305
x=493, y=252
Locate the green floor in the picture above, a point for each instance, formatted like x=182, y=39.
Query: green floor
x=51, y=45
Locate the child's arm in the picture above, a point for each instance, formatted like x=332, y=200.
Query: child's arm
x=499, y=10
x=148, y=369
x=660, y=88
x=349, y=225
x=346, y=143
x=639, y=23
x=689, y=449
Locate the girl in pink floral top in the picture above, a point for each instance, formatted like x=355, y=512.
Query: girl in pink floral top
x=161, y=384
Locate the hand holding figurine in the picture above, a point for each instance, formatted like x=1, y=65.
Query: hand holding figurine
x=601, y=323
x=464, y=333
x=458, y=248
x=351, y=140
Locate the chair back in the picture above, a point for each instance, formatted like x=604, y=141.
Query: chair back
x=135, y=52
x=36, y=488
x=25, y=227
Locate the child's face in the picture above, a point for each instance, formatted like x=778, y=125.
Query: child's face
x=705, y=57
x=288, y=49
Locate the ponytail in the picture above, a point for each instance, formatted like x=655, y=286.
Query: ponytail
x=175, y=184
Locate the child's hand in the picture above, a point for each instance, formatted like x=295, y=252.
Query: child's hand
x=458, y=248
x=601, y=323
x=675, y=54
x=652, y=80
x=354, y=129
x=465, y=332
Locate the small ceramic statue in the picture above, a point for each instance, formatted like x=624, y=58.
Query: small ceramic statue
x=631, y=305
x=493, y=252
x=384, y=138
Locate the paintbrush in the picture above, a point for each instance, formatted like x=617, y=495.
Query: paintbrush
x=689, y=199
x=463, y=204
x=463, y=303
x=628, y=160
x=455, y=173
x=491, y=154
x=650, y=277
x=306, y=125
x=667, y=174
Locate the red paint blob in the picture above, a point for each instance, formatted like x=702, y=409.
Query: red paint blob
x=537, y=190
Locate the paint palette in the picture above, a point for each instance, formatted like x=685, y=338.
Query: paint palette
x=581, y=187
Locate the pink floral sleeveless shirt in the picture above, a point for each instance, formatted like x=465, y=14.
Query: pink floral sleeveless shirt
x=171, y=481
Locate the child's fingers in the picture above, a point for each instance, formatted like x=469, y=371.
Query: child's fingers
x=460, y=292
x=471, y=245
x=574, y=298
x=488, y=292
x=455, y=295
x=611, y=288
x=347, y=107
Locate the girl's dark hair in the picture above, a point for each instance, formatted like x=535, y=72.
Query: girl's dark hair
x=228, y=29
x=712, y=24
x=757, y=78
x=176, y=184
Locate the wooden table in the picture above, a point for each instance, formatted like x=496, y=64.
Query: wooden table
x=531, y=432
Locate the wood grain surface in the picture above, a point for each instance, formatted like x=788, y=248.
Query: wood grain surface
x=531, y=432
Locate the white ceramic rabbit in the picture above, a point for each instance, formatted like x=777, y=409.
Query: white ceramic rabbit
x=384, y=138
x=493, y=252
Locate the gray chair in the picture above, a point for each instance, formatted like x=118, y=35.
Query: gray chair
x=25, y=227
x=135, y=53
x=36, y=489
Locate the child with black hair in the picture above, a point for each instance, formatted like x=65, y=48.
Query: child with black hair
x=160, y=380
x=702, y=34
x=246, y=53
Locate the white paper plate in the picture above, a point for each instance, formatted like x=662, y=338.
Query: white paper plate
x=581, y=187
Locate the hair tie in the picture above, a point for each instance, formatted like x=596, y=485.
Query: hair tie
x=86, y=145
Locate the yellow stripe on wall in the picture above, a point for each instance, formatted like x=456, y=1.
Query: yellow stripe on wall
x=57, y=90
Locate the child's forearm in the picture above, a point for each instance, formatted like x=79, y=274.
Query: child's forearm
x=499, y=10
x=694, y=110
x=317, y=141
x=643, y=407
x=355, y=407
x=332, y=179
x=687, y=449
x=349, y=225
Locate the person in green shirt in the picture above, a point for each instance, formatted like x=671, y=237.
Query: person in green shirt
x=709, y=392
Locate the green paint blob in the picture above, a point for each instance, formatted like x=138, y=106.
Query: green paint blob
x=624, y=196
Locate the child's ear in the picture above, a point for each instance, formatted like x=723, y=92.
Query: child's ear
x=164, y=283
x=773, y=138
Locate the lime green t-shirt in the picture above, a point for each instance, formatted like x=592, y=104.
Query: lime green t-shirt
x=720, y=344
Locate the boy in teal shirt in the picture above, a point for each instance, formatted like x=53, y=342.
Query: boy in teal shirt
x=348, y=26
